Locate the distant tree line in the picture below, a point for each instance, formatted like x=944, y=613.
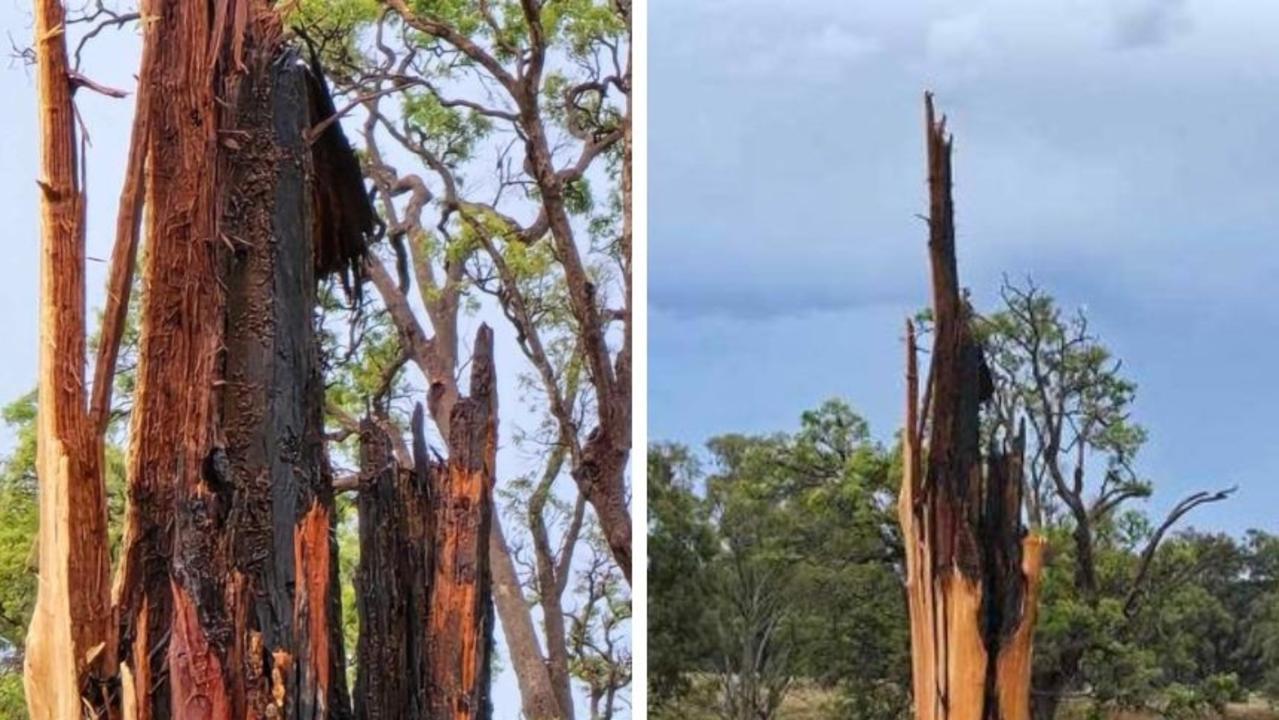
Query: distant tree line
x=775, y=562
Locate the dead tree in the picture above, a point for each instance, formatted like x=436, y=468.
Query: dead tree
x=972, y=569
x=423, y=585
x=70, y=647
x=226, y=595
x=226, y=602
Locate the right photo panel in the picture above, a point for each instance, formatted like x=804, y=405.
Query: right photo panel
x=962, y=342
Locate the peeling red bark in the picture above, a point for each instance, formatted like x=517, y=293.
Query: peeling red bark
x=70, y=654
x=228, y=592
x=197, y=675
x=173, y=428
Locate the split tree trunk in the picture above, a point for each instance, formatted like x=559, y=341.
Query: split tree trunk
x=226, y=598
x=972, y=571
x=227, y=592
x=392, y=581
x=281, y=508
x=461, y=603
x=423, y=584
x=70, y=647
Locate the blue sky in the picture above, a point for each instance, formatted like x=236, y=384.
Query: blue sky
x=1121, y=152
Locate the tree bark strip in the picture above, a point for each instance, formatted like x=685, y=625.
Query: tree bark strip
x=124, y=255
x=972, y=572
x=172, y=428
x=70, y=647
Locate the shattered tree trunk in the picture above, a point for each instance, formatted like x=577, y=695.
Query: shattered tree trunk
x=393, y=580
x=423, y=584
x=972, y=571
x=461, y=605
x=227, y=591
x=70, y=647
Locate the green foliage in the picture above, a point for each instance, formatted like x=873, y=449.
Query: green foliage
x=339, y=15
x=580, y=25
x=450, y=132
x=347, y=528
x=576, y=26
x=1207, y=700
x=816, y=508
x=807, y=516
x=1053, y=373
x=334, y=25
x=13, y=703
x=464, y=15
x=681, y=544
x=577, y=197
x=18, y=524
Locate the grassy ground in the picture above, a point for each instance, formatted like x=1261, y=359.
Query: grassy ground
x=803, y=702
x=810, y=702
x=1255, y=710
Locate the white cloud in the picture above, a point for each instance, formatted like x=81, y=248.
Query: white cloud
x=959, y=37
x=839, y=43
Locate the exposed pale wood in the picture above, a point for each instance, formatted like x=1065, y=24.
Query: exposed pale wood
x=972, y=574
x=1015, y=662
x=172, y=423
x=70, y=651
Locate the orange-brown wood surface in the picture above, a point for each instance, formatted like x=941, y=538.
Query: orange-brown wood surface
x=172, y=422
x=70, y=648
x=460, y=625
x=972, y=572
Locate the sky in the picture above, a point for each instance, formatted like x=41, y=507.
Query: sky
x=112, y=60
x=1119, y=152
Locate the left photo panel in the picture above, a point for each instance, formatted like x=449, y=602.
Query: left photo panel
x=317, y=398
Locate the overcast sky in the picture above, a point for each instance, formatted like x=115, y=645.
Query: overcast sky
x=1123, y=153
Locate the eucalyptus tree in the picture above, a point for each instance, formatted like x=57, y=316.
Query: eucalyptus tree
x=1053, y=373
x=496, y=140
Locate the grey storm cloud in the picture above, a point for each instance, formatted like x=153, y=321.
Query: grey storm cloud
x=1117, y=151
x=789, y=180
x=1145, y=23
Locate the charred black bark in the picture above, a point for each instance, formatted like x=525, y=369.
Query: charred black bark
x=281, y=505
x=392, y=582
x=344, y=219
